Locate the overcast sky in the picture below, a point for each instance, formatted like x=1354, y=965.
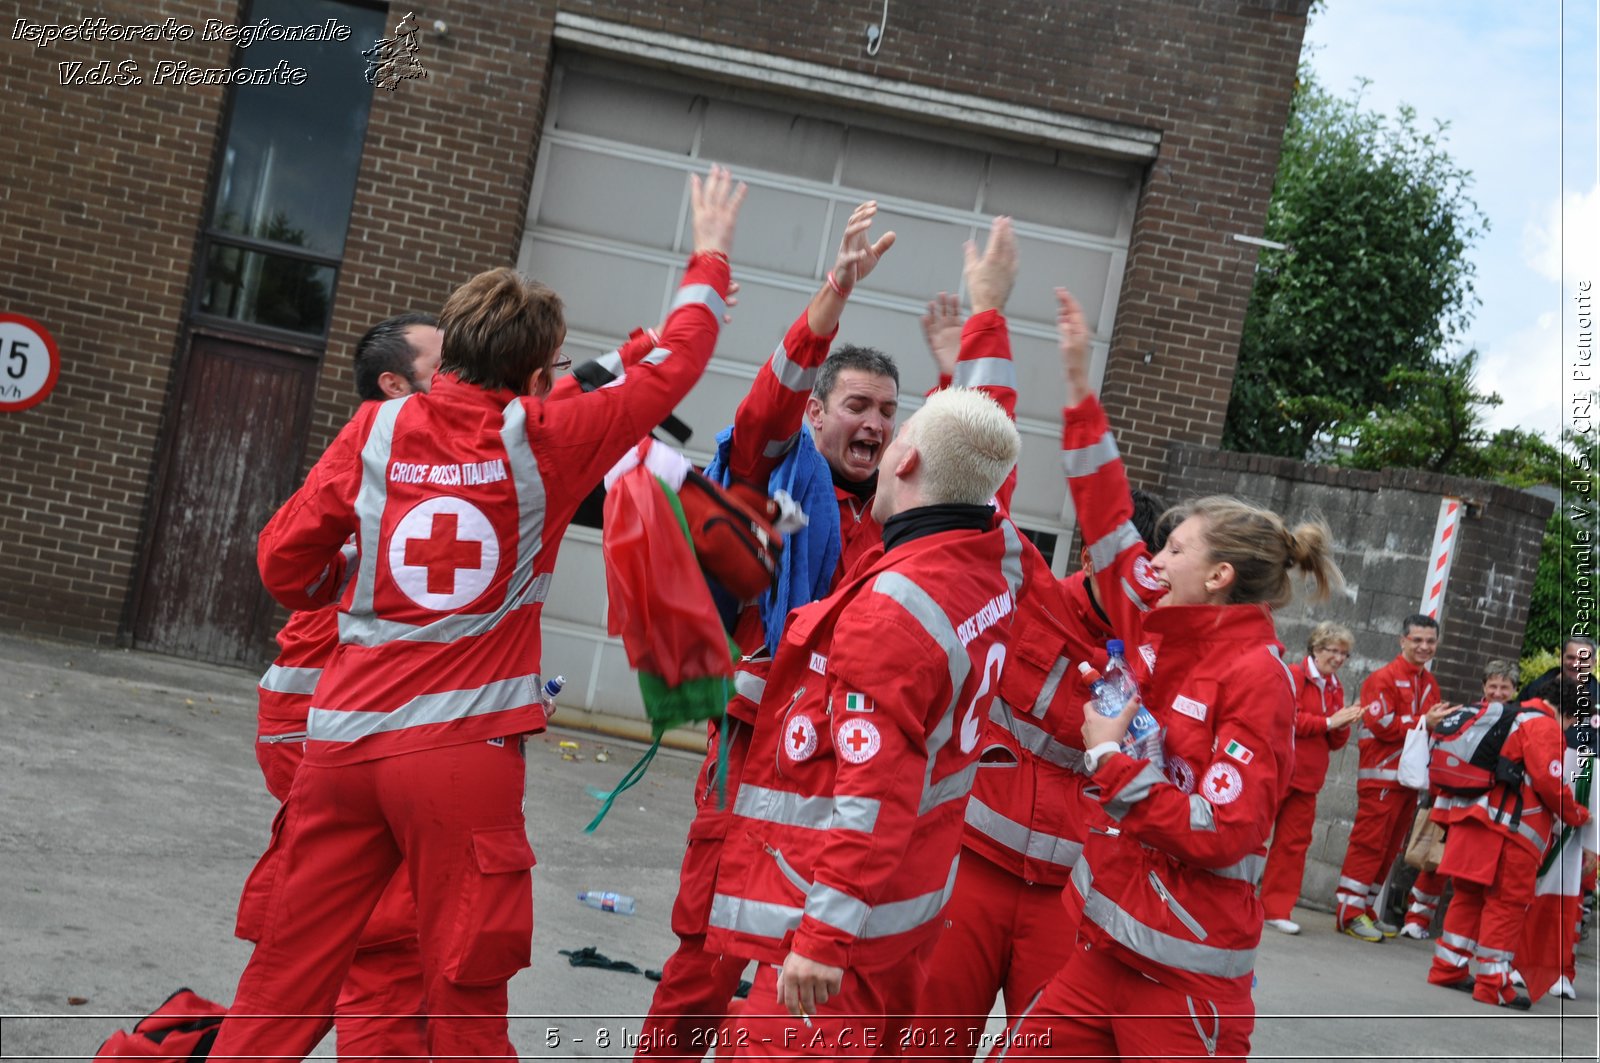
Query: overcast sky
x=1521, y=109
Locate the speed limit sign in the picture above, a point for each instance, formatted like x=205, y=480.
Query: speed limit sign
x=29, y=362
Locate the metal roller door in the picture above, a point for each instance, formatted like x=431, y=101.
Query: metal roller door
x=608, y=229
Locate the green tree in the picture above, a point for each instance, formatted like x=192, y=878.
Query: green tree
x=1377, y=221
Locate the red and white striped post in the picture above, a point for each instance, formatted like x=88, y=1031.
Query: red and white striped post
x=1444, y=551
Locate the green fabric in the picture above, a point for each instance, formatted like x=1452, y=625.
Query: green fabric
x=1580, y=790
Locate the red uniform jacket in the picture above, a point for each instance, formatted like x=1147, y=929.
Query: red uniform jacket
x=458, y=500
x=1024, y=814
x=1320, y=696
x=1396, y=696
x=1537, y=743
x=848, y=818
x=1168, y=876
x=771, y=415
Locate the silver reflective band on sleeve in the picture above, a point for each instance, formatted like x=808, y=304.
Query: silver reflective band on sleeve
x=703, y=295
x=985, y=373
x=360, y=626
x=1379, y=774
x=1134, y=597
x=932, y=619
x=656, y=357
x=1047, y=691
x=1250, y=869
x=865, y=921
x=749, y=685
x=777, y=448
x=1104, y=550
x=1085, y=460
x=337, y=725
x=281, y=680
x=1020, y=838
x=611, y=362
x=815, y=813
x=794, y=377
x=1011, y=560
x=1035, y=740
x=1151, y=943
x=1201, y=815
x=1137, y=789
x=756, y=918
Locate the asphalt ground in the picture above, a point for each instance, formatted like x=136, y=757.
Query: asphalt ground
x=131, y=810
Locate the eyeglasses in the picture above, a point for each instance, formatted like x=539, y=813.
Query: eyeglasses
x=561, y=364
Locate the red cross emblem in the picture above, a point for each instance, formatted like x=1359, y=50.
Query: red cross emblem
x=800, y=738
x=444, y=553
x=1222, y=784
x=858, y=740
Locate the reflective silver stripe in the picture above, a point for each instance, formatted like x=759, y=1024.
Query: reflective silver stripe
x=1458, y=942
x=1386, y=719
x=985, y=373
x=1288, y=675
x=1250, y=869
x=1085, y=460
x=865, y=921
x=749, y=685
x=1494, y=955
x=757, y=918
x=702, y=294
x=1134, y=597
x=339, y=725
x=845, y=812
x=656, y=356
x=282, y=680
x=1105, y=549
x=1352, y=886
x=1380, y=774
x=1151, y=943
x=360, y=626
x=778, y=447
x=1047, y=692
x=1493, y=966
x=611, y=362
x=927, y=613
x=792, y=376
x=1420, y=898
x=1137, y=789
x=1201, y=815
x=1020, y=838
x=1035, y=739
x=1448, y=954
x=1011, y=560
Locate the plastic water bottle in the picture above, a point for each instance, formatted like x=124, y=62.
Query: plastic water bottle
x=548, y=692
x=620, y=903
x=1144, y=737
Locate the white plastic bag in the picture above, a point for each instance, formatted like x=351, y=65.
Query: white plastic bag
x=1414, y=756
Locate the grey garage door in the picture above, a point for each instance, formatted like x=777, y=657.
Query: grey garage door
x=608, y=228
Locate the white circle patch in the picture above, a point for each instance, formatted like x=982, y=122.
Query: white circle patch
x=1555, y=769
x=1141, y=572
x=1181, y=774
x=1223, y=784
x=799, y=738
x=444, y=553
x=858, y=741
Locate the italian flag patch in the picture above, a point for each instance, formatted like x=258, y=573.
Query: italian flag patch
x=856, y=702
x=1239, y=752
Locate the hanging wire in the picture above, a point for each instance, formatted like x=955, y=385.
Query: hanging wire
x=875, y=34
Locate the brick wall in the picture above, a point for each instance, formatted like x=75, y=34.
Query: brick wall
x=1382, y=525
x=103, y=194
x=102, y=212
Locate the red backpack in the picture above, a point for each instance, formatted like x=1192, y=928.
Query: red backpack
x=181, y=1030
x=1464, y=758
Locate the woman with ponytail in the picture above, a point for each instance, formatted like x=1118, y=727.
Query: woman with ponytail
x=1164, y=896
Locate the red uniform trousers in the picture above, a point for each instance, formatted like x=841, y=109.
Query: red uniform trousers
x=1002, y=934
x=1493, y=878
x=1426, y=892
x=1097, y=1007
x=1384, y=812
x=454, y=816
x=1286, y=857
x=869, y=1017
x=695, y=994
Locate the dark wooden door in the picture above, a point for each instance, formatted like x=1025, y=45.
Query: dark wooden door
x=230, y=456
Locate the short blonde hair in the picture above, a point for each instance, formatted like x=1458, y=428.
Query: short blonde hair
x=967, y=446
x=1329, y=633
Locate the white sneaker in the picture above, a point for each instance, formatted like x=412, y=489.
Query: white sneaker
x=1414, y=930
x=1516, y=979
x=1287, y=926
x=1564, y=988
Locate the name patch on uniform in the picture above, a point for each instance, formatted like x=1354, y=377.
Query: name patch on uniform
x=856, y=702
x=819, y=664
x=858, y=741
x=1148, y=652
x=1402, y=683
x=799, y=738
x=1239, y=752
x=1195, y=710
x=1223, y=784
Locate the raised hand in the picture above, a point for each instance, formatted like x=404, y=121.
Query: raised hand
x=858, y=253
x=1073, y=333
x=989, y=276
x=941, y=327
x=714, y=202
